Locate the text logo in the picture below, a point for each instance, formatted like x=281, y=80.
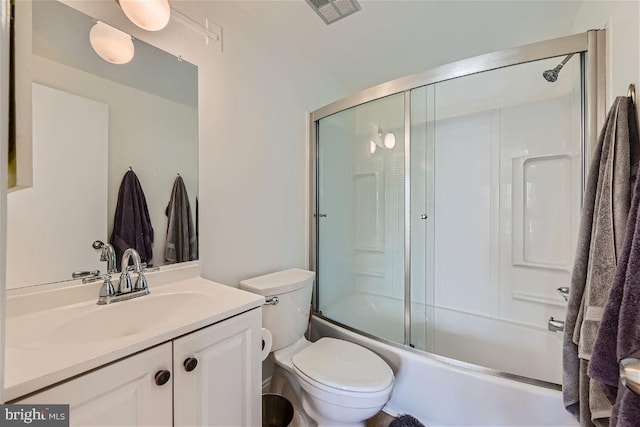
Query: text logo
x=34, y=415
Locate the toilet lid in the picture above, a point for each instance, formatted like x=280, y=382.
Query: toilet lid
x=344, y=365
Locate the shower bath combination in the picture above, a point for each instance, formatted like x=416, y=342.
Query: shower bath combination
x=552, y=75
x=403, y=270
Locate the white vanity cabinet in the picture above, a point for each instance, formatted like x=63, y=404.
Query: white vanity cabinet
x=215, y=380
x=124, y=393
x=218, y=374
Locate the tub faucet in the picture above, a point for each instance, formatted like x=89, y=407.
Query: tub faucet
x=125, y=285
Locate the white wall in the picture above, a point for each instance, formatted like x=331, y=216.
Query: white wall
x=253, y=179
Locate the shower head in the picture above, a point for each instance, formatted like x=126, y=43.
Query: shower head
x=552, y=75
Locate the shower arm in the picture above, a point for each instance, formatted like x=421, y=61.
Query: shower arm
x=564, y=61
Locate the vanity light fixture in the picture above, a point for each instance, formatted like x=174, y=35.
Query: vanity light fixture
x=111, y=44
x=150, y=15
x=389, y=140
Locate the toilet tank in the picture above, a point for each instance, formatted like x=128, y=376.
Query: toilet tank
x=287, y=320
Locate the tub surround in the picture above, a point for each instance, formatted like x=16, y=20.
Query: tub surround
x=54, y=334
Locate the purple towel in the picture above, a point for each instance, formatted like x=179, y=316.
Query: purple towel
x=132, y=224
x=619, y=333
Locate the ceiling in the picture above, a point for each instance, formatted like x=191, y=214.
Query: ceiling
x=392, y=38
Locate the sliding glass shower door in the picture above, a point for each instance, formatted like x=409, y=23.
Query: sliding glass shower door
x=447, y=213
x=361, y=217
x=496, y=185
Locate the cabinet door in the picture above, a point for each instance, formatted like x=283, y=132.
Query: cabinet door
x=121, y=394
x=224, y=388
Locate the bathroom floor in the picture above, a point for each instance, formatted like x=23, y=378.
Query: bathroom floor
x=382, y=419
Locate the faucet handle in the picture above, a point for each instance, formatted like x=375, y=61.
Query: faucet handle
x=125, y=286
x=141, y=283
x=106, y=291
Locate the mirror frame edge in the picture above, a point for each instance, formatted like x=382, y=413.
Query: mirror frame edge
x=5, y=12
x=21, y=86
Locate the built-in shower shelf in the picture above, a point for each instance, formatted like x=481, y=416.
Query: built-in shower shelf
x=542, y=211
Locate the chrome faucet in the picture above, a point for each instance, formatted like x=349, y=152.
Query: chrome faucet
x=108, y=293
x=125, y=286
x=125, y=291
x=108, y=254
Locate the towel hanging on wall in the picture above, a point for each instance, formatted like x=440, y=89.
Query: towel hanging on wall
x=605, y=209
x=182, y=244
x=619, y=334
x=132, y=224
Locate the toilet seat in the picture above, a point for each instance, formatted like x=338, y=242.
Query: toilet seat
x=343, y=368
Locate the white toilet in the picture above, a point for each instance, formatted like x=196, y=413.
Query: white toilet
x=339, y=383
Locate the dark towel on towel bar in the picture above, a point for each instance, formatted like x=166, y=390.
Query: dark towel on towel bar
x=182, y=244
x=619, y=334
x=132, y=225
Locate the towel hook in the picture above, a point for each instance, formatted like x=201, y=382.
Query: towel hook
x=631, y=93
x=130, y=168
x=178, y=175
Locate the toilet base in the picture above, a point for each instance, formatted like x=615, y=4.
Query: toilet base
x=282, y=384
x=348, y=417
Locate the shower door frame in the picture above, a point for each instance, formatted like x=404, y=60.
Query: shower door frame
x=591, y=46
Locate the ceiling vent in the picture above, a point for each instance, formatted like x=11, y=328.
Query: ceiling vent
x=333, y=10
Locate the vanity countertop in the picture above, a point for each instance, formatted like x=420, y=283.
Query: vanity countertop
x=59, y=341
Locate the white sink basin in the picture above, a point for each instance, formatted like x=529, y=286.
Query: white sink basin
x=90, y=323
x=59, y=333
x=125, y=318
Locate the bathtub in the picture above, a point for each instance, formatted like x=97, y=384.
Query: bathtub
x=443, y=392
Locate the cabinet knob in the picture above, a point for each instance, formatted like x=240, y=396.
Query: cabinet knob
x=190, y=364
x=162, y=377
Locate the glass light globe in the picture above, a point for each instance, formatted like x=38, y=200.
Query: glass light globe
x=372, y=147
x=111, y=44
x=150, y=15
x=389, y=140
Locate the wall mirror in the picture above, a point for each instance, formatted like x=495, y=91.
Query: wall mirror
x=91, y=121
